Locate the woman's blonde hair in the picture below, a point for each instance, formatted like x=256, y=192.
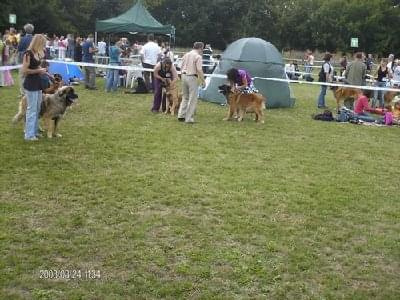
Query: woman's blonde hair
x=38, y=44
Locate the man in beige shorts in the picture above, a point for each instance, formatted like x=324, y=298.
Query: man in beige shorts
x=192, y=77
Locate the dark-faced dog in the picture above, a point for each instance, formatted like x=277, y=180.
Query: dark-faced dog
x=52, y=109
x=56, y=83
x=240, y=103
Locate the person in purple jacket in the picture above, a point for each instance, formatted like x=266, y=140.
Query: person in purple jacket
x=240, y=79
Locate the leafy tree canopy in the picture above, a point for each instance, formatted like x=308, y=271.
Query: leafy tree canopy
x=316, y=24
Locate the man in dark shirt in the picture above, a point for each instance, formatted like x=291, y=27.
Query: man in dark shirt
x=25, y=41
x=369, y=62
x=22, y=46
x=355, y=75
x=88, y=50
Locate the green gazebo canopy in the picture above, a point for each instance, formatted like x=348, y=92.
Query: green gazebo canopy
x=136, y=19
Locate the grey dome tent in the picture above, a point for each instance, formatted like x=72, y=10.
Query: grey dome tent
x=261, y=59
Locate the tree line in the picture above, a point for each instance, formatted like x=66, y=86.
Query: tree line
x=325, y=25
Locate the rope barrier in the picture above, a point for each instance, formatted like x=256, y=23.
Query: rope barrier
x=137, y=68
x=360, y=87
x=5, y=68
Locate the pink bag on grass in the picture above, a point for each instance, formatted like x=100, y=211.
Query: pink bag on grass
x=388, y=118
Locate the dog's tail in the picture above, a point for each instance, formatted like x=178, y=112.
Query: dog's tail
x=264, y=101
x=20, y=115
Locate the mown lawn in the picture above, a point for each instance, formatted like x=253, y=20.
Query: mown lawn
x=291, y=209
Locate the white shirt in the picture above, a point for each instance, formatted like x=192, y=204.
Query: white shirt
x=311, y=59
x=150, y=52
x=396, y=75
x=290, y=68
x=62, y=44
x=328, y=69
x=102, y=47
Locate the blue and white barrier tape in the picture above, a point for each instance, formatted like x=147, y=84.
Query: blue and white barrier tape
x=141, y=69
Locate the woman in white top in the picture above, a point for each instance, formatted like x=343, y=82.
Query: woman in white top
x=55, y=46
x=62, y=48
x=396, y=74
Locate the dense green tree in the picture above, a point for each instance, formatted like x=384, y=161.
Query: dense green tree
x=316, y=24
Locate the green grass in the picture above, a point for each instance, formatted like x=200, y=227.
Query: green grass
x=291, y=209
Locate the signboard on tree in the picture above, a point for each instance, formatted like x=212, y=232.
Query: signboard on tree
x=354, y=43
x=12, y=18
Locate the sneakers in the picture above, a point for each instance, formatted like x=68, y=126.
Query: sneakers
x=181, y=119
x=33, y=139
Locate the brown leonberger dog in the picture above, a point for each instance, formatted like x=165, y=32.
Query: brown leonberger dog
x=55, y=84
x=240, y=103
x=343, y=93
x=173, y=98
x=52, y=109
x=389, y=96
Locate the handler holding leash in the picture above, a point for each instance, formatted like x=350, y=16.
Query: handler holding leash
x=32, y=85
x=164, y=71
x=192, y=75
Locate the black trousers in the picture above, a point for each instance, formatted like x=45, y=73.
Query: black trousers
x=147, y=75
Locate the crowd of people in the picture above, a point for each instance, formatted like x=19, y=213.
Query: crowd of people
x=357, y=73
x=13, y=43
x=9, y=42
x=360, y=71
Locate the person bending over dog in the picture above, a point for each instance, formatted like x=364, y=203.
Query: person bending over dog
x=164, y=73
x=240, y=80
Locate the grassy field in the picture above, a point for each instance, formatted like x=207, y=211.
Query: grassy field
x=145, y=207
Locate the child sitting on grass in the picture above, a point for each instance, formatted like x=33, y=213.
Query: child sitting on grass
x=396, y=110
x=362, y=109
